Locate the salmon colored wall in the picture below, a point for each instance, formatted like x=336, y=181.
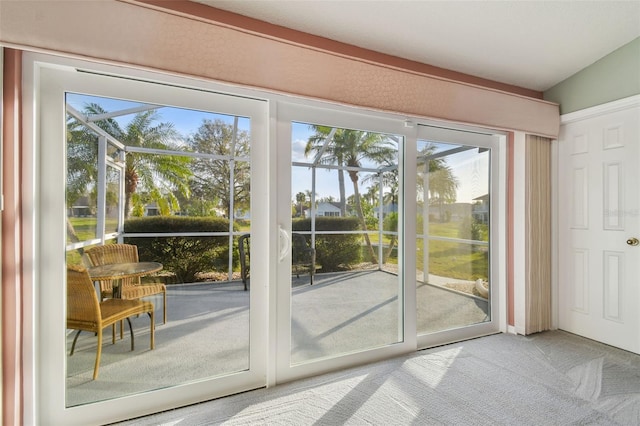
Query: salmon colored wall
x=11, y=242
x=128, y=33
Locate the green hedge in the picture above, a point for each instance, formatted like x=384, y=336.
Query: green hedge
x=334, y=252
x=184, y=256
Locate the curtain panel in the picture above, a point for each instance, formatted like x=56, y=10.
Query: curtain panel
x=11, y=239
x=538, y=234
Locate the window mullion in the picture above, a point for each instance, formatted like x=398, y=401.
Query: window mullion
x=102, y=188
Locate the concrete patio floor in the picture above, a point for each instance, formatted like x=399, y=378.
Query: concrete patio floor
x=207, y=333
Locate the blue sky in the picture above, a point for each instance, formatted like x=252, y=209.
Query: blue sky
x=185, y=121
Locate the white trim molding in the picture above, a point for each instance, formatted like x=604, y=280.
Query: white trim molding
x=597, y=110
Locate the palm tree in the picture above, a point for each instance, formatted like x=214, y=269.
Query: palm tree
x=350, y=148
x=82, y=160
x=155, y=175
x=390, y=181
x=321, y=143
x=443, y=184
x=371, y=195
x=311, y=198
x=82, y=173
x=301, y=198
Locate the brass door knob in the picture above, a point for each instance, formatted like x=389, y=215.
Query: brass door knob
x=633, y=241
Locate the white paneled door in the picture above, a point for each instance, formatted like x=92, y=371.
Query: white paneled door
x=599, y=226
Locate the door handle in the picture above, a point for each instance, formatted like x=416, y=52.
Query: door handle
x=284, y=248
x=633, y=241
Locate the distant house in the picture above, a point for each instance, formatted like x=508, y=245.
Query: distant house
x=80, y=208
x=480, y=209
x=151, y=209
x=331, y=209
x=241, y=214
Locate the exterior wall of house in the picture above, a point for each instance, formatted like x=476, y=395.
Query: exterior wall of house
x=616, y=76
x=325, y=209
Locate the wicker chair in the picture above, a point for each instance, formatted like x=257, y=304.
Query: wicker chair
x=131, y=287
x=86, y=313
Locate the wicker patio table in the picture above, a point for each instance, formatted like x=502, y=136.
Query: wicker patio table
x=118, y=271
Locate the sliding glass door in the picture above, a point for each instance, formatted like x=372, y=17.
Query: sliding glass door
x=367, y=269
x=330, y=238
x=170, y=172
x=457, y=234
x=340, y=282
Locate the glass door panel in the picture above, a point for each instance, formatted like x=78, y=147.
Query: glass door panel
x=186, y=174
x=454, y=231
x=168, y=170
x=346, y=292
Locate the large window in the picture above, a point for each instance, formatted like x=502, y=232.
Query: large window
x=176, y=184
x=321, y=242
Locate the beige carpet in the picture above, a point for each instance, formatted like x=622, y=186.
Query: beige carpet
x=552, y=378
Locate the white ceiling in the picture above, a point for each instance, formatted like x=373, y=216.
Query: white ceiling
x=531, y=44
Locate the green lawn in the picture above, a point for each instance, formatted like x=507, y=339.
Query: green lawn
x=450, y=259
x=85, y=228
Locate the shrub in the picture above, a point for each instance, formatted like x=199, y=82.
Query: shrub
x=333, y=252
x=471, y=229
x=184, y=256
x=390, y=222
